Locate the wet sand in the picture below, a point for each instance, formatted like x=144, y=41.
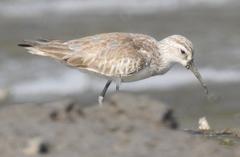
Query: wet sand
x=215, y=32
x=189, y=103
x=126, y=125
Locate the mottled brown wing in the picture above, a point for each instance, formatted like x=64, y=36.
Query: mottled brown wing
x=54, y=49
x=111, y=54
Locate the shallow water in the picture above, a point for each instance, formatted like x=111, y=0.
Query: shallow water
x=214, y=31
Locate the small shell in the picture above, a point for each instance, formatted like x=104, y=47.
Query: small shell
x=203, y=124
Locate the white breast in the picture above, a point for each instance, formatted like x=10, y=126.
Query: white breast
x=143, y=74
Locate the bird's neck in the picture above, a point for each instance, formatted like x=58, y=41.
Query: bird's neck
x=163, y=60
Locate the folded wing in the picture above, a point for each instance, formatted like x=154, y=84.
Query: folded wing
x=110, y=54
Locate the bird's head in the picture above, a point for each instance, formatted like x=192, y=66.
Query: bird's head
x=179, y=49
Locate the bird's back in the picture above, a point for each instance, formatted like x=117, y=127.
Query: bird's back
x=109, y=54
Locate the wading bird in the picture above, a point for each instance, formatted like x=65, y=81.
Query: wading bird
x=119, y=57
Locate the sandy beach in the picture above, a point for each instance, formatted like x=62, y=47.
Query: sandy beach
x=129, y=125
x=49, y=108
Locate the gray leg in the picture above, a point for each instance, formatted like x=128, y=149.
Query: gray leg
x=101, y=96
x=117, y=87
x=118, y=83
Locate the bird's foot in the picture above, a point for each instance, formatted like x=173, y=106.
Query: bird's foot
x=100, y=100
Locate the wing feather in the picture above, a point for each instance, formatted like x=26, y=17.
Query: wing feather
x=111, y=54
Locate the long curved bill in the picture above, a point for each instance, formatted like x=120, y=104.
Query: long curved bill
x=191, y=66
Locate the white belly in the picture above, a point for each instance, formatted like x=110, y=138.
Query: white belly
x=143, y=74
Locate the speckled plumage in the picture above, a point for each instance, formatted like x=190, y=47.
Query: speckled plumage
x=122, y=57
x=110, y=54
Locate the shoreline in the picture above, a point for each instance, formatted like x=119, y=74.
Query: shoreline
x=124, y=124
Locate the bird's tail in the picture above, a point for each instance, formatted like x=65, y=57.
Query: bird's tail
x=54, y=49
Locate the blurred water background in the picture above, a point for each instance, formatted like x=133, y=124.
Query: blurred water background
x=213, y=26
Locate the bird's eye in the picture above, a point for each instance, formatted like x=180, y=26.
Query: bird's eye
x=183, y=52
